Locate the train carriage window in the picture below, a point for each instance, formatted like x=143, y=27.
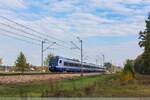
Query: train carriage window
x=60, y=61
x=66, y=64
x=72, y=64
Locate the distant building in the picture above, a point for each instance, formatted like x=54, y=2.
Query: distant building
x=39, y=68
x=6, y=68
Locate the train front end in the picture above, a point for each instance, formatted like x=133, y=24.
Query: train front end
x=53, y=63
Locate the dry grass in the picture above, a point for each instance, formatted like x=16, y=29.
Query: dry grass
x=15, y=79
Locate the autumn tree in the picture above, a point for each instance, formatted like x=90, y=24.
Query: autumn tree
x=144, y=43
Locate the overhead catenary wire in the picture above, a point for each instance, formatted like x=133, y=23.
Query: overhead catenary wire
x=17, y=38
x=31, y=34
x=17, y=34
x=46, y=40
x=40, y=32
x=21, y=30
x=33, y=30
x=28, y=32
x=42, y=16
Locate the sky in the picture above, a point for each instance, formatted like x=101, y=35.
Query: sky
x=108, y=27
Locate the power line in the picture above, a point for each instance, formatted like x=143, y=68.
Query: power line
x=14, y=37
x=28, y=29
x=21, y=25
x=53, y=24
x=20, y=35
x=17, y=29
x=32, y=34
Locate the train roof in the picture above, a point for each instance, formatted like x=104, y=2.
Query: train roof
x=67, y=58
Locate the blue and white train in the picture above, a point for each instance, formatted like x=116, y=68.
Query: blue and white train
x=61, y=64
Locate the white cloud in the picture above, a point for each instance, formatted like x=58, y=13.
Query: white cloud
x=88, y=24
x=12, y=4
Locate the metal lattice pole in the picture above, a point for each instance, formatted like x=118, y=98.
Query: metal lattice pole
x=42, y=53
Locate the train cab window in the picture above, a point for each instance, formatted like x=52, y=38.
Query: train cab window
x=60, y=61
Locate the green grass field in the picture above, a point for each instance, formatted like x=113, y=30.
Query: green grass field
x=88, y=86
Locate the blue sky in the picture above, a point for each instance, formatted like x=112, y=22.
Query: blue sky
x=108, y=27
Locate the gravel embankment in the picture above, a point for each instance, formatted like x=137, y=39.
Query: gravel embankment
x=30, y=78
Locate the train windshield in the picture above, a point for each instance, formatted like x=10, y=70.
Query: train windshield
x=60, y=61
x=53, y=62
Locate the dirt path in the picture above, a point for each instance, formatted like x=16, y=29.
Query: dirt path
x=30, y=78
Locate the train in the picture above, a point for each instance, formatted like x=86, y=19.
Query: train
x=62, y=64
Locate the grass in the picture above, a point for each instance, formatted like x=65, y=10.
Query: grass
x=88, y=86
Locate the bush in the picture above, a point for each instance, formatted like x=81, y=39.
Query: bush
x=128, y=71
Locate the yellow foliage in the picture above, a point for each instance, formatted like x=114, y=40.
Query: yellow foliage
x=125, y=77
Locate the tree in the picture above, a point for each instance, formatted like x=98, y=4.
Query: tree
x=129, y=67
x=48, y=59
x=108, y=66
x=139, y=66
x=145, y=43
x=21, y=63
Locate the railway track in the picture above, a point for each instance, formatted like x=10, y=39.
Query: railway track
x=34, y=73
x=30, y=77
x=44, y=73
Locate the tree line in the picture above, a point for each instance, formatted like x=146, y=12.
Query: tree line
x=142, y=62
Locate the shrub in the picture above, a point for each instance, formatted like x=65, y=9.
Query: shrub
x=128, y=72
